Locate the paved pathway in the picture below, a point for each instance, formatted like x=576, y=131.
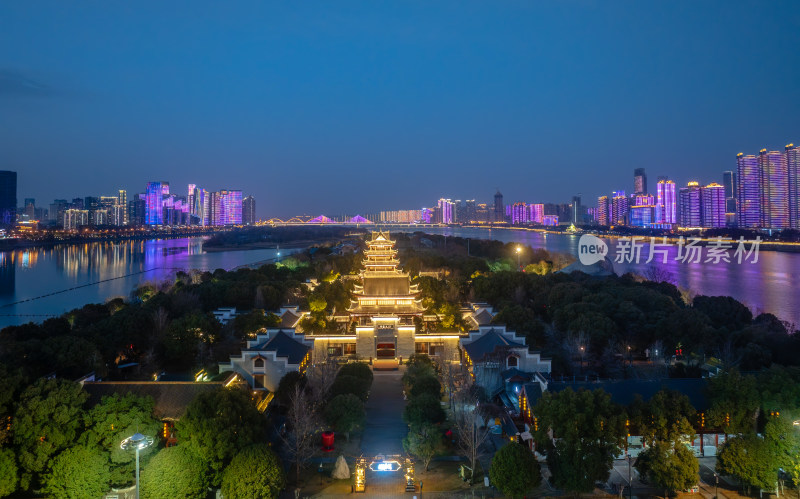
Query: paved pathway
x=385, y=429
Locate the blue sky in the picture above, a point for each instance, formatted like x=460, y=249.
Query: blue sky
x=332, y=107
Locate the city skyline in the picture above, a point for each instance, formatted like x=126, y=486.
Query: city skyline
x=314, y=103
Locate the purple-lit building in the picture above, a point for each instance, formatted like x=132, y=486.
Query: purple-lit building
x=748, y=214
x=536, y=213
x=774, y=189
x=519, y=213
x=445, y=211
x=666, y=203
x=691, y=213
x=713, y=206
x=619, y=208
x=792, y=153
x=154, y=208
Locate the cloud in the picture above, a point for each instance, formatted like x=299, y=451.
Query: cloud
x=15, y=84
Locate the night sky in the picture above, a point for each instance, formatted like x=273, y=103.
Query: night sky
x=345, y=106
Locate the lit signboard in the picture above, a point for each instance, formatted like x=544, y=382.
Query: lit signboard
x=385, y=466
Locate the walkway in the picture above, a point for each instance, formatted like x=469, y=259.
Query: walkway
x=385, y=429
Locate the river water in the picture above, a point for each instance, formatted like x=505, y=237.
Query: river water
x=770, y=285
x=30, y=273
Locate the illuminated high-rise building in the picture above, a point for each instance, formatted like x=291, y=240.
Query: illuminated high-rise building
x=249, y=210
x=602, y=210
x=792, y=154
x=536, y=214
x=154, y=210
x=445, y=211
x=520, y=213
x=639, y=181
x=619, y=208
x=748, y=209
x=666, y=202
x=690, y=205
x=774, y=189
x=713, y=206
x=228, y=208
x=122, y=202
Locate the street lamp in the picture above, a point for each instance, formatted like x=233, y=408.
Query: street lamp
x=137, y=441
x=716, y=485
x=581, y=359
x=519, y=250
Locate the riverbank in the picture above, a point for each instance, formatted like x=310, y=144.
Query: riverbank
x=764, y=245
x=11, y=244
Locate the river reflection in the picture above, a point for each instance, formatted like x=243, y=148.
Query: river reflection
x=770, y=285
x=30, y=273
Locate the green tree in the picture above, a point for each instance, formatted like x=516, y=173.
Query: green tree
x=749, y=458
x=174, y=472
x=587, y=432
x=78, y=473
x=317, y=303
x=667, y=417
x=114, y=419
x=670, y=465
x=734, y=400
x=345, y=413
x=183, y=338
x=9, y=476
x=345, y=384
x=47, y=421
x=217, y=425
x=515, y=470
x=287, y=385
x=425, y=408
x=254, y=472
x=357, y=369
x=424, y=440
x=252, y=322
x=426, y=384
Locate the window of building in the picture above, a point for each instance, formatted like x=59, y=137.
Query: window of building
x=259, y=381
x=349, y=348
x=335, y=350
x=258, y=362
x=512, y=361
x=420, y=347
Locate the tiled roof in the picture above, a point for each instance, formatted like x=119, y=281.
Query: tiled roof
x=483, y=318
x=533, y=392
x=623, y=392
x=289, y=319
x=284, y=346
x=171, y=397
x=488, y=343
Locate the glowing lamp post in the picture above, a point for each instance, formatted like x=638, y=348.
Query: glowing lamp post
x=519, y=250
x=137, y=442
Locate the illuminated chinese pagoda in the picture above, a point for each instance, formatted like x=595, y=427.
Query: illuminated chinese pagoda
x=385, y=303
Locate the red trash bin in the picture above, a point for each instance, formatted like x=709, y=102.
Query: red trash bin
x=327, y=441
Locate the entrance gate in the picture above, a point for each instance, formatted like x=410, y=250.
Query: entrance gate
x=383, y=470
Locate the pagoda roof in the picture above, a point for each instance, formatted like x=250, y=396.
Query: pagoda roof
x=386, y=309
x=381, y=286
